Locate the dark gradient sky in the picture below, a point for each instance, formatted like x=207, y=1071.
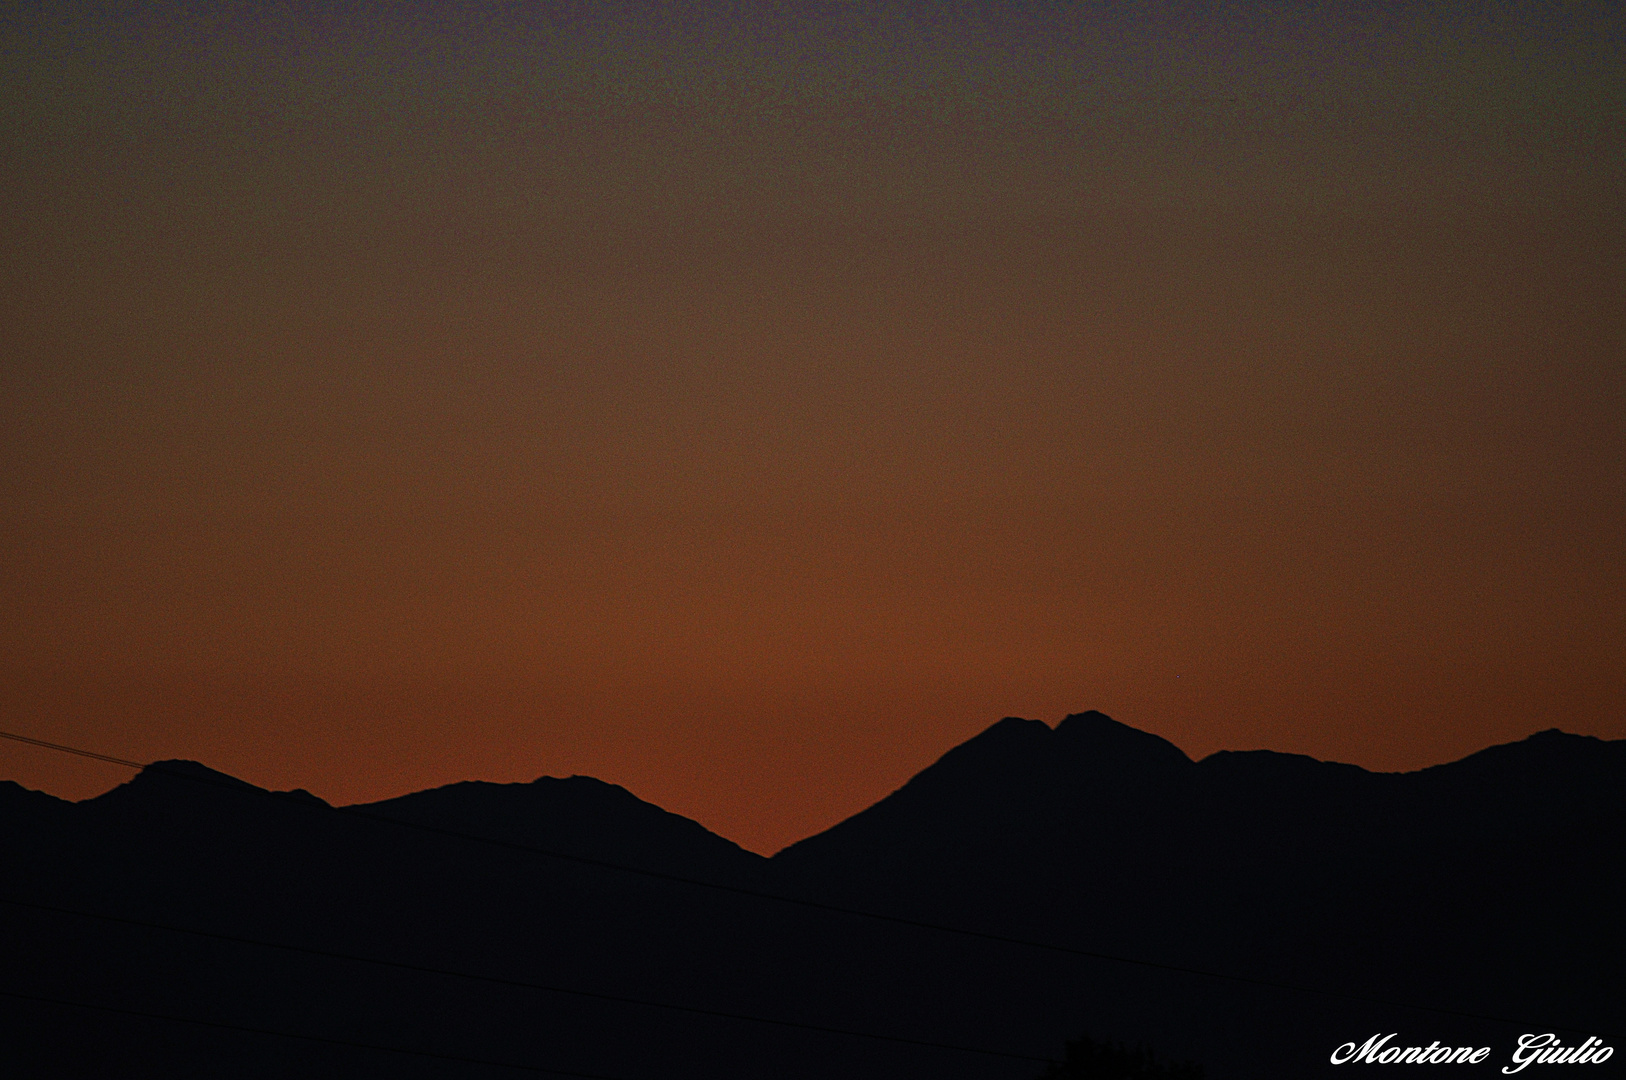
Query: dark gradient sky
x=746, y=403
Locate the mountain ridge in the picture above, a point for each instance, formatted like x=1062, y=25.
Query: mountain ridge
x=1012, y=740
x=1490, y=886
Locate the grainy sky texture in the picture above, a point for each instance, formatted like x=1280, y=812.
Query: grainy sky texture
x=746, y=403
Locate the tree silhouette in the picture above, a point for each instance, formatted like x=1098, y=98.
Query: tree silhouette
x=1090, y=1060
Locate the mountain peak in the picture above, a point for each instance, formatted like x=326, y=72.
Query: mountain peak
x=192, y=770
x=1011, y=731
x=1087, y=744
x=1100, y=736
x=1551, y=752
x=168, y=778
x=579, y=815
x=1014, y=771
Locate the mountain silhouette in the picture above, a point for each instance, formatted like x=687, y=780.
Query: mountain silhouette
x=1330, y=899
x=578, y=816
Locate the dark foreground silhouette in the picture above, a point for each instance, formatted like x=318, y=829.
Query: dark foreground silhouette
x=1275, y=908
x=1090, y=1060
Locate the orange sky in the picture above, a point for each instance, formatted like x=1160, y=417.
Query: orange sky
x=384, y=406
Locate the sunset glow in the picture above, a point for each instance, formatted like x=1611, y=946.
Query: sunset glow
x=744, y=405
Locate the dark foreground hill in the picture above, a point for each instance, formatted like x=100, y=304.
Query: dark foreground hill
x=1488, y=888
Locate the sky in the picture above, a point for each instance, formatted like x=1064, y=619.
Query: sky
x=746, y=403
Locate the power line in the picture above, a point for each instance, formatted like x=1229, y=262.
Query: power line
x=74, y=750
x=170, y=1018
x=424, y=969
x=816, y=905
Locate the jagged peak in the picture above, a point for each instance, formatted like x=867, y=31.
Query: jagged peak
x=1087, y=740
x=1100, y=734
x=1012, y=728
x=16, y=794
x=1553, y=735
x=578, y=782
x=176, y=774
x=543, y=787
x=194, y=769
x=1552, y=748
x=180, y=777
x=1012, y=739
x=1274, y=765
